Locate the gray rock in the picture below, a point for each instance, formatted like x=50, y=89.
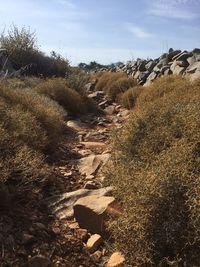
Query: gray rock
x=150, y=65
x=193, y=68
x=173, y=54
x=182, y=63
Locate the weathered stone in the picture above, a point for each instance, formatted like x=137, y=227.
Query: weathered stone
x=116, y=260
x=62, y=205
x=162, y=62
x=193, y=68
x=182, y=63
x=94, y=242
x=39, y=261
x=141, y=66
x=89, y=165
x=90, y=185
x=173, y=54
x=150, y=65
x=90, y=212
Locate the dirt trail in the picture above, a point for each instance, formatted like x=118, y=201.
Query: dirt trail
x=51, y=235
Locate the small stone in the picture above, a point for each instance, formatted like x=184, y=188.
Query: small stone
x=116, y=260
x=39, y=261
x=94, y=242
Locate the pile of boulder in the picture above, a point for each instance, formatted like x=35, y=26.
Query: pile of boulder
x=175, y=62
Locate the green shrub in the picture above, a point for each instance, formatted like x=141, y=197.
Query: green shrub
x=129, y=97
x=156, y=178
x=58, y=90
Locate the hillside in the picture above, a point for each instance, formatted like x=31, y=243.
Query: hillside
x=99, y=168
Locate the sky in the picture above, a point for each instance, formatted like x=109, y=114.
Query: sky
x=106, y=31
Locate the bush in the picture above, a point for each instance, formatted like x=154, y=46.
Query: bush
x=24, y=54
x=156, y=178
x=107, y=78
x=129, y=97
x=49, y=114
x=162, y=86
x=22, y=140
x=58, y=90
x=119, y=86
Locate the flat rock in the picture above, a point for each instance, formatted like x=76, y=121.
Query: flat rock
x=116, y=260
x=76, y=125
x=90, y=164
x=62, y=205
x=91, y=212
x=93, y=243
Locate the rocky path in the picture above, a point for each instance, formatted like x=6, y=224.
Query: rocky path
x=68, y=227
x=84, y=208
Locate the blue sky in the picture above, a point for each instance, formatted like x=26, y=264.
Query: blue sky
x=107, y=30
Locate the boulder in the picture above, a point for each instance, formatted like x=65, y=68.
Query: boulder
x=91, y=212
x=110, y=110
x=172, y=54
x=150, y=65
x=182, y=63
x=76, y=125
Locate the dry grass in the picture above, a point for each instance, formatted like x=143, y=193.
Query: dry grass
x=156, y=177
x=58, y=90
x=108, y=78
x=129, y=97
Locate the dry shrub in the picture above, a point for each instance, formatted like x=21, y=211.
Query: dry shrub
x=58, y=90
x=156, y=177
x=22, y=141
x=47, y=113
x=129, y=97
x=162, y=86
x=108, y=78
x=119, y=86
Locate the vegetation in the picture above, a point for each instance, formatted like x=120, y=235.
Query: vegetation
x=114, y=84
x=25, y=55
x=129, y=97
x=156, y=177
x=58, y=90
x=31, y=127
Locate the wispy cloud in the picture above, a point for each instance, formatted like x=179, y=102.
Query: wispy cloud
x=178, y=9
x=139, y=32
